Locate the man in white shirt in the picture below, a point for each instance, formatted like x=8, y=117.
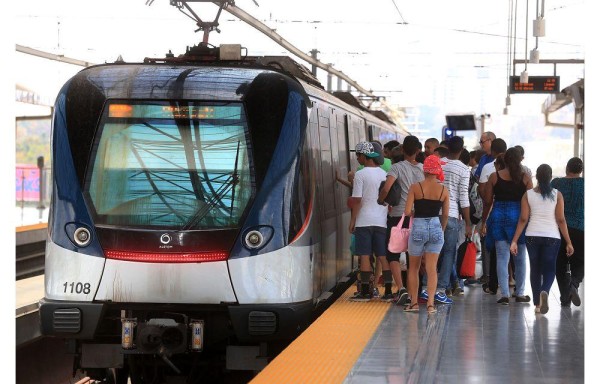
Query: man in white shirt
x=498, y=147
x=368, y=219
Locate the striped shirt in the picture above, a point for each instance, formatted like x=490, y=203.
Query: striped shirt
x=456, y=179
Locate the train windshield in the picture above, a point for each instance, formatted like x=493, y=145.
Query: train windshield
x=178, y=165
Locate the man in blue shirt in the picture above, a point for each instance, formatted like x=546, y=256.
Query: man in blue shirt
x=486, y=145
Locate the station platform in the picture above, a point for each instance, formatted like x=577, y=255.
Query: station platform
x=474, y=340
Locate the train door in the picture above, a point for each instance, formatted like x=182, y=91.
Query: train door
x=344, y=259
x=316, y=253
x=329, y=211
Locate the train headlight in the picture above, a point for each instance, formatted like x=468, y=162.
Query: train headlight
x=254, y=239
x=82, y=236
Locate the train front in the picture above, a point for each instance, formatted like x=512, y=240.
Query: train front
x=180, y=214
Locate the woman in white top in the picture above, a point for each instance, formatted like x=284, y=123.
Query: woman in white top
x=542, y=210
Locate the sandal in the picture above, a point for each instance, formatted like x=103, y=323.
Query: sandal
x=412, y=308
x=431, y=309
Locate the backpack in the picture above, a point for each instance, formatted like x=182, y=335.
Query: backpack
x=466, y=257
x=475, y=201
x=393, y=196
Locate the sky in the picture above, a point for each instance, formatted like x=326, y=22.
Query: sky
x=430, y=57
x=396, y=48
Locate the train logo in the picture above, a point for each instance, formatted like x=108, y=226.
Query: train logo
x=165, y=238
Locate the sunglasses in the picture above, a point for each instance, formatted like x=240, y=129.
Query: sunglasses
x=483, y=141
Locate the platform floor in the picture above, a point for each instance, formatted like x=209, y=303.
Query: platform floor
x=474, y=340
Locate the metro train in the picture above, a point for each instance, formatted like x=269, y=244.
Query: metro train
x=195, y=207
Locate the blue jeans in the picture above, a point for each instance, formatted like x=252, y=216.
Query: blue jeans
x=542, y=261
x=447, y=254
x=502, y=259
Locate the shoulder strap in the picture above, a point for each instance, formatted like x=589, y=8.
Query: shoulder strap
x=440, y=198
x=422, y=192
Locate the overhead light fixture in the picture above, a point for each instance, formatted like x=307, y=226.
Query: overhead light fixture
x=539, y=27
x=524, y=77
x=534, y=56
x=505, y=111
x=507, y=100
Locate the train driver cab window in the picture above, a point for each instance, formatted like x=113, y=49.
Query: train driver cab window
x=177, y=165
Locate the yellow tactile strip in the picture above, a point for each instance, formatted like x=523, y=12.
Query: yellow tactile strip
x=32, y=227
x=329, y=348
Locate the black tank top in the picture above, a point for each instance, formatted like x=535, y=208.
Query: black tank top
x=507, y=190
x=428, y=207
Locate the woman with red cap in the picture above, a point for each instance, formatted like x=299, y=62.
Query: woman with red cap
x=427, y=233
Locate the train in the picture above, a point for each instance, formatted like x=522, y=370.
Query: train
x=195, y=208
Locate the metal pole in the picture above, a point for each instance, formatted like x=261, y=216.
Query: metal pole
x=482, y=117
x=576, y=136
x=313, y=54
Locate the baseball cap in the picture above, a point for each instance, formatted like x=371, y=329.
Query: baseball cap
x=367, y=149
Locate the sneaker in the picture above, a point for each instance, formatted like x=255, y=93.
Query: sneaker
x=458, y=291
x=388, y=298
x=448, y=292
x=423, y=296
x=543, y=302
x=442, y=298
x=403, y=297
x=455, y=285
x=523, y=299
x=376, y=293
x=575, y=296
x=361, y=297
x=503, y=301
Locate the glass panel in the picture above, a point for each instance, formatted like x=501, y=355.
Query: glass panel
x=171, y=165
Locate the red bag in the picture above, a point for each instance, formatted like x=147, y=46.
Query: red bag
x=399, y=237
x=465, y=259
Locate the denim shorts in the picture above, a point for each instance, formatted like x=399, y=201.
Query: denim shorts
x=370, y=240
x=426, y=236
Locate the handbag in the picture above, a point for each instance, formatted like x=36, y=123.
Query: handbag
x=466, y=258
x=394, y=194
x=399, y=237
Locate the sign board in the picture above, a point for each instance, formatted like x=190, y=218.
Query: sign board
x=535, y=84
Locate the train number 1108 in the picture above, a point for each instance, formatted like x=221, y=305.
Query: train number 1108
x=78, y=287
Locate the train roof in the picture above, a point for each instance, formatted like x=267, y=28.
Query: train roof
x=114, y=81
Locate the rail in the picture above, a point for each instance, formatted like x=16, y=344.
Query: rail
x=30, y=250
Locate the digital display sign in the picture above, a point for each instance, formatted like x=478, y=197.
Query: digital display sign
x=535, y=84
x=461, y=122
x=185, y=111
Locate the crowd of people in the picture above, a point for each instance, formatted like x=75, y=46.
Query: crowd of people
x=447, y=194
